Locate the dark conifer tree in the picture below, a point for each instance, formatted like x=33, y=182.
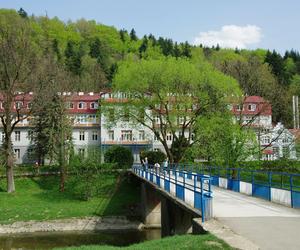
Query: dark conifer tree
x=186, y=50
x=133, y=35
x=144, y=46
x=177, y=52
x=122, y=34
x=22, y=13
x=56, y=50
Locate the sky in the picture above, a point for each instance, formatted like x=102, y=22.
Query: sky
x=251, y=24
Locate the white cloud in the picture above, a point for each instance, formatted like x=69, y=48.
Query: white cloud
x=230, y=36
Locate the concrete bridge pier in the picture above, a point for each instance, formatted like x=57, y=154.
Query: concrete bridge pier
x=151, y=207
x=161, y=212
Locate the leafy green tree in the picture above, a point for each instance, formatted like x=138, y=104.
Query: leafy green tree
x=119, y=155
x=153, y=156
x=221, y=140
x=18, y=65
x=167, y=95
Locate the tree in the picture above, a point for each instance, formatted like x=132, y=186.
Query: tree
x=167, y=95
x=132, y=35
x=222, y=140
x=119, y=155
x=17, y=68
x=144, y=46
x=52, y=133
x=22, y=13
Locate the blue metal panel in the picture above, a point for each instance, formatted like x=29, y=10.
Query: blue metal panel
x=261, y=191
x=189, y=175
x=167, y=186
x=295, y=199
x=233, y=185
x=215, y=180
x=151, y=177
x=181, y=174
x=158, y=181
x=197, y=200
x=180, y=192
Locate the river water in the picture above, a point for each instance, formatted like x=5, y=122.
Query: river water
x=49, y=240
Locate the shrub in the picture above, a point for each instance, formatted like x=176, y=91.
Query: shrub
x=119, y=155
x=153, y=156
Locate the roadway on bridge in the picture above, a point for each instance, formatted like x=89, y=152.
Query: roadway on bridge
x=266, y=224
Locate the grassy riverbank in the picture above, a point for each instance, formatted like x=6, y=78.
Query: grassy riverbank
x=205, y=242
x=39, y=199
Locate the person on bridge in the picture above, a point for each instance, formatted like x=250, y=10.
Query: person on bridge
x=157, y=167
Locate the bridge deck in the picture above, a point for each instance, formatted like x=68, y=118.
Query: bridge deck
x=268, y=225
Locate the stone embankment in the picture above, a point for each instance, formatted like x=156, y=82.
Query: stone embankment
x=74, y=224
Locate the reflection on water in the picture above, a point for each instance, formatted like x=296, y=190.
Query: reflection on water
x=49, y=240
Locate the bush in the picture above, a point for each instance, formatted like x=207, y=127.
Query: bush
x=119, y=155
x=153, y=156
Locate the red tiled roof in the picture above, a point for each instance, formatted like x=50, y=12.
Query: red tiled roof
x=263, y=107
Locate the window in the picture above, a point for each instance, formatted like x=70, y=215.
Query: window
x=180, y=120
x=30, y=135
x=156, y=120
x=239, y=107
x=141, y=135
x=94, y=105
x=126, y=135
x=17, y=135
x=285, y=140
x=3, y=136
x=95, y=136
x=18, y=105
x=155, y=138
x=92, y=119
x=265, y=140
x=82, y=119
x=169, y=137
x=251, y=107
x=29, y=105
x=81, y=136
x=70, y=105
x=1, y=105
x=17, y=153
x=81, y=105
x=81, y=152
x=111, y=135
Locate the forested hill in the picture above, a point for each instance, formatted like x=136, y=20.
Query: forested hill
x=91, y=52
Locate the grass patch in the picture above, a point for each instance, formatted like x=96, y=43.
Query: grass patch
x=205, y=242
x=39, y=199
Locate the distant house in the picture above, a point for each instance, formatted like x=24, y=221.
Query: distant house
x=275, y=141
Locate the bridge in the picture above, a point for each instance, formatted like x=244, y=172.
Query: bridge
x=236, y=205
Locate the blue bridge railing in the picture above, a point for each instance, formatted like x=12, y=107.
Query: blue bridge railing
x=192, y=188
x=278, y=187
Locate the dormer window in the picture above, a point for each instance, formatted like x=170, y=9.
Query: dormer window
x=70, y=105
x=82, y=105
x=18, y=105
x=94, y=105
x=239, y=107
x=251, y=107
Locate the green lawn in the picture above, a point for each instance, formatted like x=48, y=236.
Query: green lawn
x=206, y=241
x=39, y=199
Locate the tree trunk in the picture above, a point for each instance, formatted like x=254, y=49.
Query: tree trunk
x=9, y=167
